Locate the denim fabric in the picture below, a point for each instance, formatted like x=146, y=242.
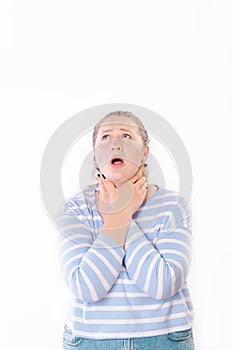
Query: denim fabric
x=181, y=340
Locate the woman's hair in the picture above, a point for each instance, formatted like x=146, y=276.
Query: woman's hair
x=142, y=130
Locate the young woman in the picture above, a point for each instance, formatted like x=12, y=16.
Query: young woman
x=124, y=247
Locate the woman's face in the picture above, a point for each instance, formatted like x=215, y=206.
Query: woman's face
x=119, y=149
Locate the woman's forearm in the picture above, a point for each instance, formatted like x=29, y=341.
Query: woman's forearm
x=116, y=227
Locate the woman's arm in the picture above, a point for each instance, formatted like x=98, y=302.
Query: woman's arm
x=160, y=268
x=90, y=266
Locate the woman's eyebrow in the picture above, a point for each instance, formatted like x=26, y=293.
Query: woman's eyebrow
x=122, y=129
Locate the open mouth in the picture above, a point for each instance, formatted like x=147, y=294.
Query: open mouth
x=117, y=161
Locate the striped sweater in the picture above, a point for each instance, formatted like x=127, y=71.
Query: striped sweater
x=138, y=291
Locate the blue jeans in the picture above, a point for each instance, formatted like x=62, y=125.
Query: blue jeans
x=182, y=340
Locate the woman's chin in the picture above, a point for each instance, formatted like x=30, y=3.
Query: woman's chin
x=118, y=181
x=119, y=177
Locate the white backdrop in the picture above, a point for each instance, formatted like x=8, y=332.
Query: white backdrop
x=61, y=57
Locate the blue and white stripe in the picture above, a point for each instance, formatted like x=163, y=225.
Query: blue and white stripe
x=133, y=292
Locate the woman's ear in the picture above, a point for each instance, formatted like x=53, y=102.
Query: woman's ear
x=146, y=151
x=145, y=170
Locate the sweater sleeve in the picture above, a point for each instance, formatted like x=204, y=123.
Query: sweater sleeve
x=90, y=266
x=160, y=268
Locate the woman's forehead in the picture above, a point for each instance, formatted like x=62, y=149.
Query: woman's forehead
x=117, y=122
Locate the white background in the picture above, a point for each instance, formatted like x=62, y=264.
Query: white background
x=60, y=57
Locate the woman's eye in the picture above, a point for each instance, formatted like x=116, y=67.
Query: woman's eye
x=107, y=137
x=127, y=136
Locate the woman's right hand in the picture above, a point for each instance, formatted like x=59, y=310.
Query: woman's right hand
x=121, y=202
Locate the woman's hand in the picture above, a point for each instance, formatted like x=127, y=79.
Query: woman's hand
x=122, y=202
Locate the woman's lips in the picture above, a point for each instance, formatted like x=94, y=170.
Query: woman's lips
x=116, y=165
x=117, y=162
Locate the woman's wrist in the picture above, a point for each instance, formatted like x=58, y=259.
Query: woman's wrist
x=116, y=220
x=116, y=227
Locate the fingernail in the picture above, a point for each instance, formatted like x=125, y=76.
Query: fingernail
x=104, y=176
x=97, y=168
x=98, y=175
x=145, y=165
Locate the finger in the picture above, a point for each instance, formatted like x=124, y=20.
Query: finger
x=102, y=184
x=144, y=192
x=137, y=176
x=108, y=188
x=141, y=183
x=109, y=185
x=113, y=193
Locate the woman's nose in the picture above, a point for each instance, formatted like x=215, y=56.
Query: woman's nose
x=116, y=146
